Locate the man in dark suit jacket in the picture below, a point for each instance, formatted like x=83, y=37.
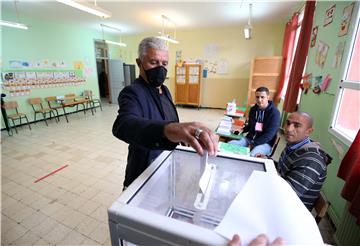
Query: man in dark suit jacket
x=147, y=118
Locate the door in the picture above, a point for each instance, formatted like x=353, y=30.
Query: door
x=116, y=79
x=194, y=84
x=181, y=90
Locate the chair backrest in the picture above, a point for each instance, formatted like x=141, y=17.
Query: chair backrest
x=52, y=102
x=11, y=106
x=50, y=99
x=276, y=143
x=88, y=94
x=70, y=95
x=35, y=103
x=320, y=207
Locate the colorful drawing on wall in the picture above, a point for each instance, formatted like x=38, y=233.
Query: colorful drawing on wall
x=78, y=65
x=321, y=53
x=325, y=84
x=88, y=71
x=329, y=16
x=178, y=56
x=45, y=63
x=306, y=84
x=317, y=84
x=313, y=36
x=338, y=54
x=345, y=19
x=15, y=64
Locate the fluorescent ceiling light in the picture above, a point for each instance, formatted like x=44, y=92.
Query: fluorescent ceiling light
x=247, y=32
x=248, y=27
x=115, y=43
x=92, y=9
x=13, y=24
x=168, y=39
x=108, y=41
x=163, y=34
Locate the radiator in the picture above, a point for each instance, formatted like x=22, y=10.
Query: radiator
x=348, y=232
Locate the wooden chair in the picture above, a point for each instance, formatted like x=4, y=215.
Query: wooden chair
x=55, y=105
x=13, y=114
x=89, y=95
x=276, y=143
x=38, y=108
x=320, y=208
x=71, y=100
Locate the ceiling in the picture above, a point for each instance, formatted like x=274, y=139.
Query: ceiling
x=136, y=17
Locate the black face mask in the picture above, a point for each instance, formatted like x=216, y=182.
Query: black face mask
x=156, y=76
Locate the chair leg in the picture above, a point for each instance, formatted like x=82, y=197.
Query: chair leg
x=27, y=120
x=100, y=106
x=65, y=115
x=44, y=116
x=84, y=108
x=91, y=107
x=56, y=120
x=35, y=118
x=57, y=115
x=14, y=126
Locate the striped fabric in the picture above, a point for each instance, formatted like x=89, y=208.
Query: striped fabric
x=304, y=169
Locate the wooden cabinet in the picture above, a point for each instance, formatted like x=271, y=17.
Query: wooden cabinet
x=265, y=71
x=187, y=84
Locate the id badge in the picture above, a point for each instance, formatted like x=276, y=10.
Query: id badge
x=259, y=127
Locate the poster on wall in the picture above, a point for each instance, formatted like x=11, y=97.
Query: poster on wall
x=223, y=67
x=15, y=64
x=313, y=36
x=345, y=19
x=321, y=53
x=211, y=51
x=317, y=84
x=338, y=54
x=178, y=57
x=329, y=16
x=306, y=85
x=78, y=65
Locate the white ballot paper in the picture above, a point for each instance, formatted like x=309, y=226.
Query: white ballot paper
x=267, y=204
x=205, y=183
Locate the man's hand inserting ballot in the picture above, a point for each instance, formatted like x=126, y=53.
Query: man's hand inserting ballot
x=195, y=134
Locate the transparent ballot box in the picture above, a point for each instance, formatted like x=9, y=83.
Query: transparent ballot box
x=166, y=206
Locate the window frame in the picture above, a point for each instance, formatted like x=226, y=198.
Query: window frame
x=343, y=83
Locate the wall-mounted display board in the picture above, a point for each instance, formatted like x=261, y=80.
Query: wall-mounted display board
x=20, y=83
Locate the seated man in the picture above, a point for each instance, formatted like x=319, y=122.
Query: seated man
x=302, y=163
x=263, y=124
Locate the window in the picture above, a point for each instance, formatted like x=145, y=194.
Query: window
x=346, y=113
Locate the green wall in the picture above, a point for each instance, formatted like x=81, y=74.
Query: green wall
x=320, y=106
x=45, y=40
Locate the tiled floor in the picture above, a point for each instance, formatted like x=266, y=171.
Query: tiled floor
x=70, y=206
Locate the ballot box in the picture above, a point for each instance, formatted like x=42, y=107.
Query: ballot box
x=165, y=205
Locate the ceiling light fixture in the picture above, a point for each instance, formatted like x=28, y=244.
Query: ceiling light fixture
x=165, y=36
x=92, y=9
x=248, y=26
x=14, y=24
x=109, y=41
